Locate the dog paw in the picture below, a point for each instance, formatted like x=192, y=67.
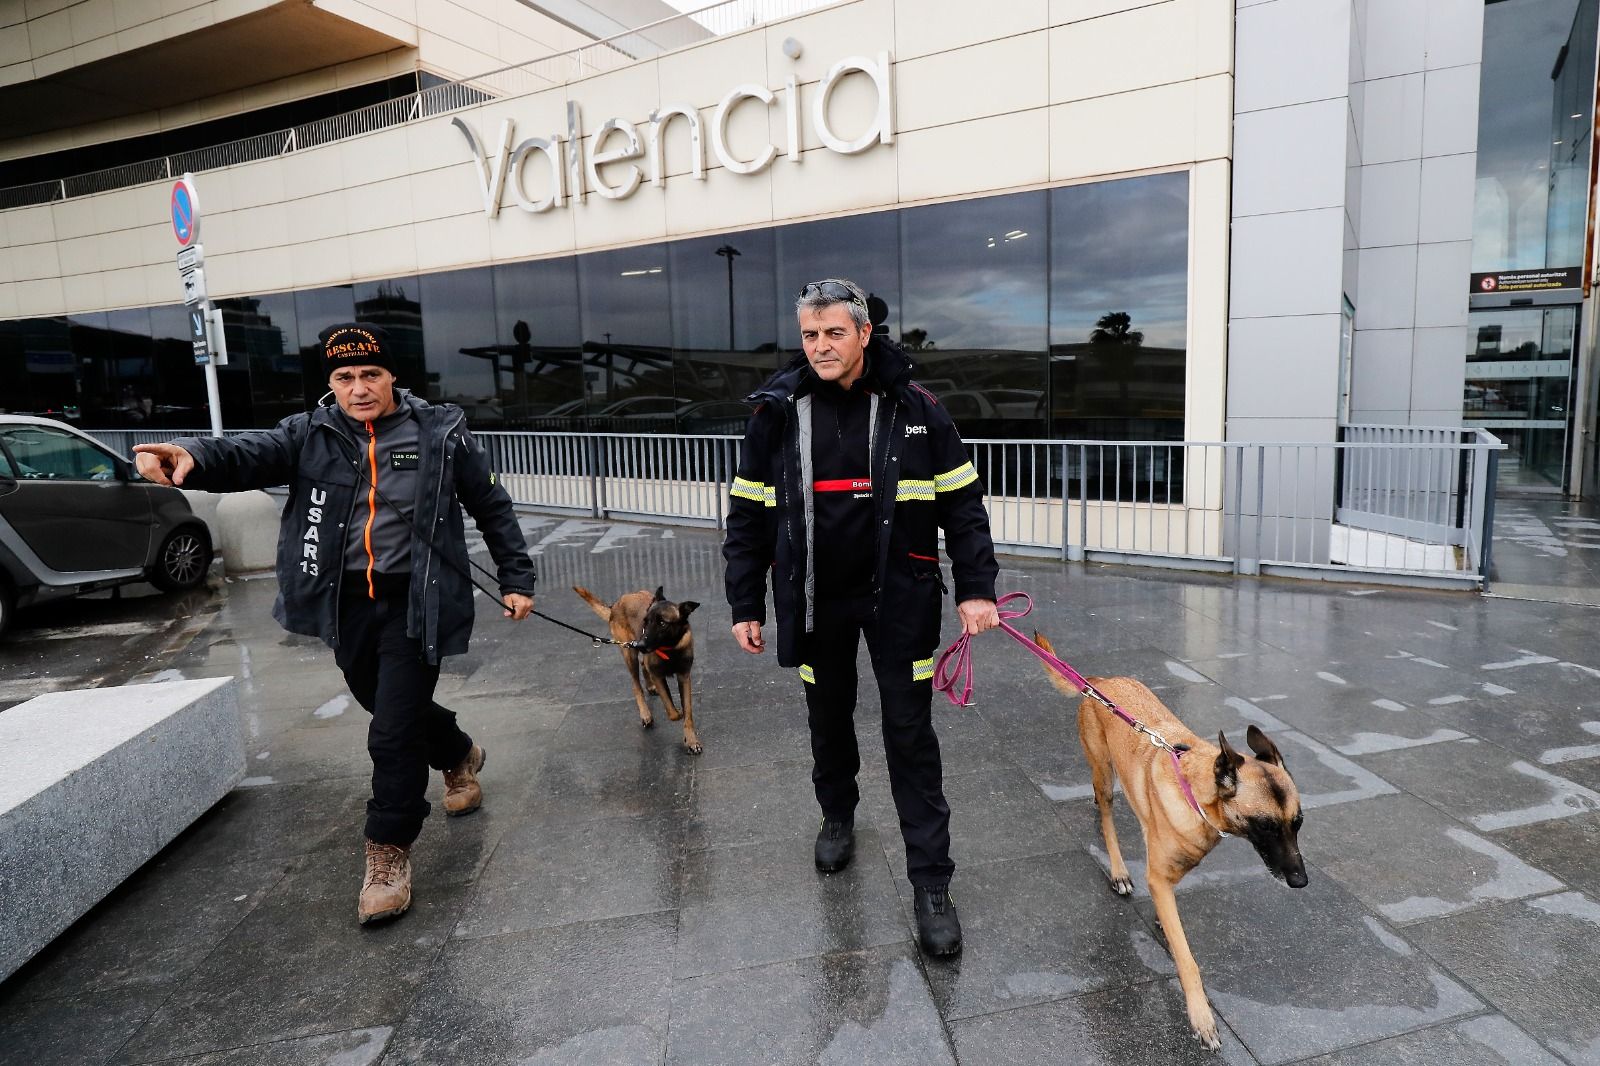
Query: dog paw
x=693, y=747
x=1205, y=1031
x=674, y=716
x=647, y=723
x=1122, y=886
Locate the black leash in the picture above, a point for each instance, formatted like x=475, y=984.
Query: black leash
x=445, y=556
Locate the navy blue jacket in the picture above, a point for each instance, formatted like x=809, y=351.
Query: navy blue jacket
x=922, y=482
x=314, y=454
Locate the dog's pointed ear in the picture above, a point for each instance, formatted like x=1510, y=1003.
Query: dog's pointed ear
x=686, y=608
x=1262, y=745
x=660, y=594
x=1227, y=768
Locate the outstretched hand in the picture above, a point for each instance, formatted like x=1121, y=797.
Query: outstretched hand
x=165, y=464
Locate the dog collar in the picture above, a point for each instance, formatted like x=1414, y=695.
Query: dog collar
x=663, y=654
x=1176, y=751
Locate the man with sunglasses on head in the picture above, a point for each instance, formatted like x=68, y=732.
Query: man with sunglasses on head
x=847, y=473
x=372, y=558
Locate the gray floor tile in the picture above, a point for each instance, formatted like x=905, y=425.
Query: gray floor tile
x=861, y=1007
x=1301, y=973
x=1408, y=862
x=82, y=1030
x=766, y=902
x=1484, y=785
x=1133, y=1024
x=1568, y=848
x=548, y=873
x=152, y=931
x=994, y=814
x=594, y=993
x=744, y=804
x=1037, y=929
x=271, y=978
x=355, y=1047
x=1533, y=960
x=1488, y=1040
x=611, y=783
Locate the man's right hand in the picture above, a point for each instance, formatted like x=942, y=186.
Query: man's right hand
x=165, y=464
x=748, y=634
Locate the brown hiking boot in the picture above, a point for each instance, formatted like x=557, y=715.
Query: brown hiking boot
x=462, y=793
x=386, y=890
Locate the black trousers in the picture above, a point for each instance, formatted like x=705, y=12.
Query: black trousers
x=409, y=732
x=916, y=776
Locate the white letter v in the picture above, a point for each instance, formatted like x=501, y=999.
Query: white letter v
x=491, y=173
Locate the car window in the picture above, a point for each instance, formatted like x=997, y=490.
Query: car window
x=44, y=454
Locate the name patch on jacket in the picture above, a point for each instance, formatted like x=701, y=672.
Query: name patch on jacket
x=403, y=460
x=860, y=486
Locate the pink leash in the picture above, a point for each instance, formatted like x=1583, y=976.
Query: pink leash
x=955, y=665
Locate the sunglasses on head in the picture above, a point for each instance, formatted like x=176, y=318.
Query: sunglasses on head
x=833, y=290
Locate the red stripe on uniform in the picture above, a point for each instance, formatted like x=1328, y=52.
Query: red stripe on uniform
x=848, y=484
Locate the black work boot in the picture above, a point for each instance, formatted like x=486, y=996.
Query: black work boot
x=836, y=843
x=938, y=928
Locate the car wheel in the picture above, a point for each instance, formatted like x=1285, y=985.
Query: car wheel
x=184, y=558
x=8, y=606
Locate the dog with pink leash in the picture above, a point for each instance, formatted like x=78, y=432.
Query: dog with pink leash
x=1188, y=794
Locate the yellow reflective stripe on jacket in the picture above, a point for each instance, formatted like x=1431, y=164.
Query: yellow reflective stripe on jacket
x=922, y=670
x=809, y=676
x=913, y=490
x=755, y=490
x=959, y=478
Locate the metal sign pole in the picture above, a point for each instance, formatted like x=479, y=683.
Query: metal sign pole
x=205, y=322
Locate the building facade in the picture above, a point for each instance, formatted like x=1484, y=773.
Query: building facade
x=1190, y=220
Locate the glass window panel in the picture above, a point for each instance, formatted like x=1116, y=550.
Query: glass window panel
x=1119, y=299
x=1536, y=92
x=396, y=305
x=42, y=347
x=976, y=307
x=724, y=326
x=315, y=310
x=180, y=395
x=540, y=342
x=863, y=248
x=1518, y=385
x=627, y=340
x=458, y=309
x=263, y=337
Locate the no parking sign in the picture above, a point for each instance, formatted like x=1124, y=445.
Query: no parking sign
x=185, y=211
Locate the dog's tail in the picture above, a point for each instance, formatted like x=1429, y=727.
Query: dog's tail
x=1056, y=679
x=601, y=609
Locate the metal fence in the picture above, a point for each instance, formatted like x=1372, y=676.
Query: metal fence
x=1412, y=507
x=609, y=53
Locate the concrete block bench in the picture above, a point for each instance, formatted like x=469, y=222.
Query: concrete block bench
x=92, y=784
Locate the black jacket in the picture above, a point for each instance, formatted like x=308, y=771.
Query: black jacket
x=314, y=454
x=922, y=481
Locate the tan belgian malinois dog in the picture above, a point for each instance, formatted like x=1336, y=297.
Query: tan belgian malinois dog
x=654, y=633
x=1254, y=798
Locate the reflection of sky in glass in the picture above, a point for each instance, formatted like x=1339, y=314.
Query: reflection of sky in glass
x=974, y=272
x=1521, y=40
x=1121, y=246
x=624, y=296
x=865, y=249
x=700, y=293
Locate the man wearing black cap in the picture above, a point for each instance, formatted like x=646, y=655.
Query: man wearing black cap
x=372, y=558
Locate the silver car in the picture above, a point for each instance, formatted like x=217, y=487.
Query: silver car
x=76, y=517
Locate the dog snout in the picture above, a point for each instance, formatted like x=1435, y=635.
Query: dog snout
x=1296, y=878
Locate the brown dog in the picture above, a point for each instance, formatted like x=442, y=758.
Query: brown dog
x=654, y=632
x=1254, y=798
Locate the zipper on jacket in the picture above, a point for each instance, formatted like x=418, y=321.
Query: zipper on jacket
x=372, y=506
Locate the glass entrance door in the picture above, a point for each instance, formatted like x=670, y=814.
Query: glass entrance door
x=1518, y=386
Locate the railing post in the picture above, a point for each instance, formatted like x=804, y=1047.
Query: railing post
x=1487, y=555
x=1083, y=502
x=592, y=455
x=1066, y=510
x=1261, y=501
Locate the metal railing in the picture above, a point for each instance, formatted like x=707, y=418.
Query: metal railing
x=609, y=53
x=1377, y=506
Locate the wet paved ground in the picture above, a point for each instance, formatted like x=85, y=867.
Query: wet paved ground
x=620, y=901
x=1547, y=549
